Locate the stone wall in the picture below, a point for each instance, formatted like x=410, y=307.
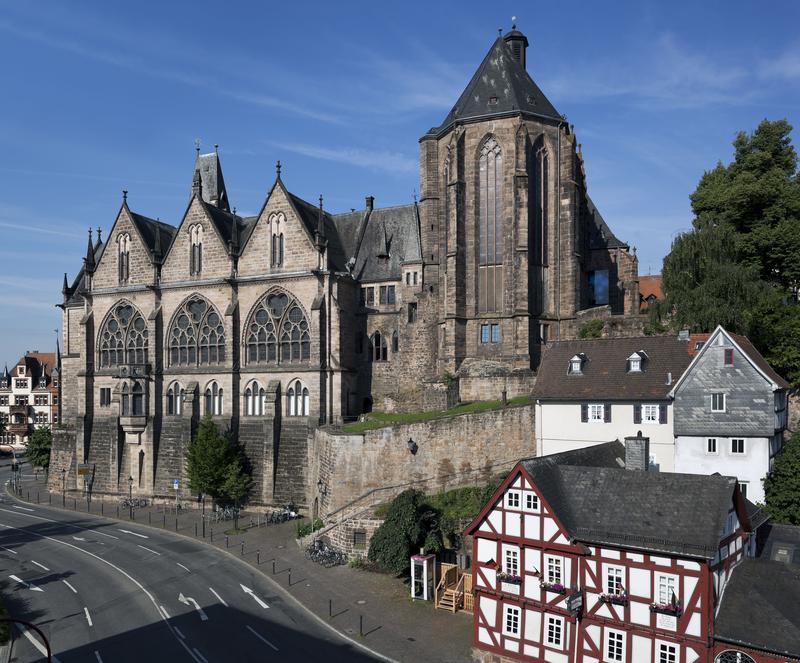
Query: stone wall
x=343, y=537
x=466, y=449
x=481, y=380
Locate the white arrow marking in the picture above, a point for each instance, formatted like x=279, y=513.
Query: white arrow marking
x=264, y=640
x=187, y=600
x=39, y=646
x=41, y=566
x=125, y=531
x=29, y=585
x=78, y=538
x=74, y=591
x=247, y=590
x=221, y=600
x=88, y=616
x=14, y=506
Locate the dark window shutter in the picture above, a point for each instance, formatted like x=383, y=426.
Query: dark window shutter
x=607, y=413
x=637, y=413
x=584, y=412
x=662, y=414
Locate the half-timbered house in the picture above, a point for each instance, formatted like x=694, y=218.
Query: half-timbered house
x=579, y=558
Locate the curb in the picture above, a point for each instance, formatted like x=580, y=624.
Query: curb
x=281, y=589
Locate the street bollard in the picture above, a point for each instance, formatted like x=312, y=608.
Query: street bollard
x=176, y=523
x=165, y=521
x=29, y=496
x=226, y=541
x=102, y=509
x=212, y=535
x=117, y=510
x=290, y=577
x=133, y=514
x=273, y=567
x=330, y=608
x=37, y=497
x=149, y=517
x=361, y=625
x=258, y=558
x=242, y=548
x=50, y=498
x=195, y=529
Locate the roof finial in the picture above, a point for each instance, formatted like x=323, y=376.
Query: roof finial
x=197, y=145
x=124, y=195
x=499, y=32
x=99, y=230
x=234, y=211
x=216, y=148
x=513, y=22
x=320, y=201
x=278, y=168
x=90, y=234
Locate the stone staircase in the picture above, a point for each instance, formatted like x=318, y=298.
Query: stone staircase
x=291, y=462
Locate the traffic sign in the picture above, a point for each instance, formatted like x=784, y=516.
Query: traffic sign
x=176, y=484
x=84, y=469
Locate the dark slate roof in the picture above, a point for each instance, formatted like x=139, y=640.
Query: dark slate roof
x=502, y=78
x=604, y=374
x=78, y=287
x=388, y=230
x=607, y=454
x=785, y=537
x=600, y=235
x=750, y=350
x=212, y=181
x=759, y=607
x=679, y=514
x=223, y=221
x=148, y=229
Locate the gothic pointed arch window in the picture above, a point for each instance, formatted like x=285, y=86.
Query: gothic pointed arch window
x=197, y=335
x=123, y=337
x=490, y=226
x=137, y=399
x=541, y=197
x=213, y=402
x=125, y=400
x=395, y=342
x=379, y=349
x=123, y=256
x=196, y=249
x=255, y=397
x=277, y=331
x=176, y=395
x=297, y=399
x=276, y=223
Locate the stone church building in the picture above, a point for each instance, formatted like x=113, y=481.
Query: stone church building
x=299, y=317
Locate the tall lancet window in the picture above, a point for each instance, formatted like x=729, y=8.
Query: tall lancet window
x=276, y=222
x=124, y=257
x=490, y=227
x=541, y=189
x=196, y=244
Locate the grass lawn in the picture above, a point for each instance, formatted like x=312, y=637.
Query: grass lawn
x=383, y=419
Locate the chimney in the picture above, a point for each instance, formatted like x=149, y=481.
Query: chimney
x=518, y=43
x=637, y=452
x=370, y=202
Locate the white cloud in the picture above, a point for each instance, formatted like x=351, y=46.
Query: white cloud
x=785, y=66
x=391, y=162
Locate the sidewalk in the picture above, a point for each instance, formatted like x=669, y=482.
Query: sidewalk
x=348, y=599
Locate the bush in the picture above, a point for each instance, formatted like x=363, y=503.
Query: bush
x=592, y=329
x=782, y=485
x=304, y=529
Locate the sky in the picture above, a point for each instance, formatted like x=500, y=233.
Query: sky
x=97, y=97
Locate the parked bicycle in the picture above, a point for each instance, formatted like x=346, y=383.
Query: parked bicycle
x=225, y=513
x=321, y=553
x=283, y=515
x=133, y=503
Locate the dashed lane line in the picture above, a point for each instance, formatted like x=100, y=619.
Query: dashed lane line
x=97, y=656
x=221, y=600
x=63, y=524
x=41, y=566
x=88, y=616
x=74, y=591
x=202, y=658
x=179, y=632
x=263, y=639
x=23, y=508
x=149, y=549
x=13, y=552
x=182, y=566
x=127, y=531
x=39, y=646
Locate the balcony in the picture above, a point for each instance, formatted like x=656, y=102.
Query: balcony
x=133, y=423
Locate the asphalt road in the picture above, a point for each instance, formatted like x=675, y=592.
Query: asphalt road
x=111, y=592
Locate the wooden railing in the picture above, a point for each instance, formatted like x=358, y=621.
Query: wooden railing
x=448, y=576
x=468, y=592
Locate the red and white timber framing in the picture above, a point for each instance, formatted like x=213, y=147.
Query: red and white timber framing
x=519, y=534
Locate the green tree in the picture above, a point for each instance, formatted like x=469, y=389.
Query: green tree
x=236, y=483
x=38, y=448
x=782, y=485
x=207, y=460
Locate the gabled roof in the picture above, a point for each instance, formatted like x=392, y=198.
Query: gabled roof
x=600, y=234
x=604, y=372
x=156, y=235
x=36, y=364
x=747, y=349
x=500, y=86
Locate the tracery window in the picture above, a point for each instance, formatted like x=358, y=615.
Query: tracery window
x=379, y=349
x=213, y=399
x=733, y=657
x=123, y=337
x=276, y=246
x=176, y=395
x=123, y=256
x=297, y=400
x=278, y=331
x=126, y=400
x=197, y=336
x=196, y=248
x=137, y=399
x=490, y=226
x=254, y=399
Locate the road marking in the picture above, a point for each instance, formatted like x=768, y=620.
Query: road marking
x=148, y=549
x=29, y=585
x=164, y=610
x=179, y=632
x=74, y=591
x=58, y=522
x=188, y=600
x=97, y=656
x=202, y=658
x=88, y=616
x=41, y=566
x=39, y=646
x=261, y=638
x=141, y=587
x=127, y=531
x=221, y=600
x=14, y=506
x=182, y=566
x=247, y=590
x=13, y=552
x=78, y=538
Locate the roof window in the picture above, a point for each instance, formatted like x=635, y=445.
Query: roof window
x=493, y=101
x=576, y=364
x=636, y=361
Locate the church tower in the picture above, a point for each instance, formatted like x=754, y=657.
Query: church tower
x=509, y=236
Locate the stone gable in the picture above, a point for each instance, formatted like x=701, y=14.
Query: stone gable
x=106, y=273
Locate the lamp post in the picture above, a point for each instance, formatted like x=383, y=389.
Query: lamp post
x=203, y=500
x=130, y=497
x=63, y=487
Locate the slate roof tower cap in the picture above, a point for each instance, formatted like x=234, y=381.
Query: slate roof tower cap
x=518, y=43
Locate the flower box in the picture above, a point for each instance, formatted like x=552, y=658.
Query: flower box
x=667, y=609
x=555, y=587
x=615, y=599
x=509, y=578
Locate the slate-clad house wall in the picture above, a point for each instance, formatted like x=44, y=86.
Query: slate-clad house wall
x=298, y=317
x=730, y=412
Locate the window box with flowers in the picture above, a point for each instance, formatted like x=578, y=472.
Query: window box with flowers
x=673, y=609
x=615, y=599
x=555, y=587
x=509, y=578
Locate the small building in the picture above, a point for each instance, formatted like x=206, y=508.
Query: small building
x=650, y=291
x=595, y=390
x=29, y=396
x=730, y=412
x=583, y=557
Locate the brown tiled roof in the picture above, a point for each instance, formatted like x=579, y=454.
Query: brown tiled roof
x=34, y=361
x=604, y=374
x=694, y=339
x=649, y=285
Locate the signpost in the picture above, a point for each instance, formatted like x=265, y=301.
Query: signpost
x=176, y=484
x=575, y=603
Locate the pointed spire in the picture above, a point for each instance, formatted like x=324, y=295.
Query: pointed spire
x=157, y=243
x=58, y=353
x=234, y=244
x=65, y=286
x=197, y=184
x=99, y=241
x=197, y=146
x=124, y=196
x=88, y=261
x=321, y=238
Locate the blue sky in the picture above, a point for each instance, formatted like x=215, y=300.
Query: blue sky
x=98, y=97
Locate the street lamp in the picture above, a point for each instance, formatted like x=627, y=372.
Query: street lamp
x=130, y=497
x=203, y=500
x=63, y=487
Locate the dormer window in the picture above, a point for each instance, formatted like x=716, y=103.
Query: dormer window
x=636, y=362
x=20, y=370
x=576, y=364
